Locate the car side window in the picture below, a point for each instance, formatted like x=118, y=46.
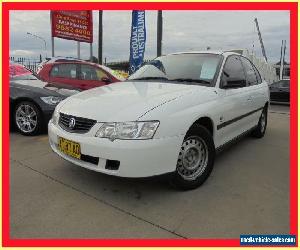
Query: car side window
x=250, y=72
x=101, y=73
x=64, y=70
x=89, y=73
x=258, y=76
x=233, y=73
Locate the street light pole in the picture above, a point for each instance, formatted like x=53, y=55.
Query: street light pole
x=41, y=38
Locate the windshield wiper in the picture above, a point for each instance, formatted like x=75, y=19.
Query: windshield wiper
x=190, y=80
x=151, y=78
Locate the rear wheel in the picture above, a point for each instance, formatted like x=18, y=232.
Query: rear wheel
x=195, y=160
x=28, y=118
x=260, y=129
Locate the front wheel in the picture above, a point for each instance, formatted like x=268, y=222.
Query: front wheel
x=196, y=159
x=28, y=118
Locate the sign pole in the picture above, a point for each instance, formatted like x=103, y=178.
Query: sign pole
x=159, y=31
x=91, y=52
x=52, y=37
x=100, y=37
x=52, y=45
x=78, y=50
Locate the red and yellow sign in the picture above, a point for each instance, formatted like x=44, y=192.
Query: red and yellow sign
x=73, y=25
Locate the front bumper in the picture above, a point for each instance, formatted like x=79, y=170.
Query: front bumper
x=137, y=158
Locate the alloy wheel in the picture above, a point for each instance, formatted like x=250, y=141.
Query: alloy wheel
x=26, y=118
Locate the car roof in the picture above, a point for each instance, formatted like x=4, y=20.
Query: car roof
x=81, y=62
x=74, y=62
x=65, y=61
x=61, y=58
x=215, y=52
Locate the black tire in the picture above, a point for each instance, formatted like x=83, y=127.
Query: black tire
x=200, y=133
x=36, y=129
x=261, y=127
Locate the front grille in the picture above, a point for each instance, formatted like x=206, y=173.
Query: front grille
x=80, y=125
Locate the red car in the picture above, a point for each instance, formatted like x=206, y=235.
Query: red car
x=18, y=70
x=77, y=73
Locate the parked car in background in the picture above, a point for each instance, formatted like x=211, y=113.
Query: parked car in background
x=16, y=69
x=56, y=59
x=169, y=117
x=122, y=74
x=77, y=73
x=32, y=101
x=280, y=91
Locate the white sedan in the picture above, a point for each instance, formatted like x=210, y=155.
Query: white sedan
x=171, y=116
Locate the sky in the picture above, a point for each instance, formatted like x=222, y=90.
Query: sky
x=182, y=31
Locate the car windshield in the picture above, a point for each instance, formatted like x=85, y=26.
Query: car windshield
x=19, y=72
x=180, y=68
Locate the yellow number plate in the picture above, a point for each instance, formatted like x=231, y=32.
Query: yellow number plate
x=69, y=147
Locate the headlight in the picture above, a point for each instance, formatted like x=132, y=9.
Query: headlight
x=52, y=100
x=55, y=117
x=128, y=130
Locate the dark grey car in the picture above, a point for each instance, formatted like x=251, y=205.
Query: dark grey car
x=280, y=91
x=32, y=102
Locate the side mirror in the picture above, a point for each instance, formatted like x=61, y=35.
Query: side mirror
x=105, y=79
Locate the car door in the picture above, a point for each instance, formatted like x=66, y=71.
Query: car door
x=91, y=77
x=65, y=74
x=256, y=90
x=284, y=91
x=274, y=91
x=235, y=100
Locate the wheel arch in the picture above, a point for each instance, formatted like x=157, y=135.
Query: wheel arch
x=16, y=101
x=267, y=104
x=206, y=122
